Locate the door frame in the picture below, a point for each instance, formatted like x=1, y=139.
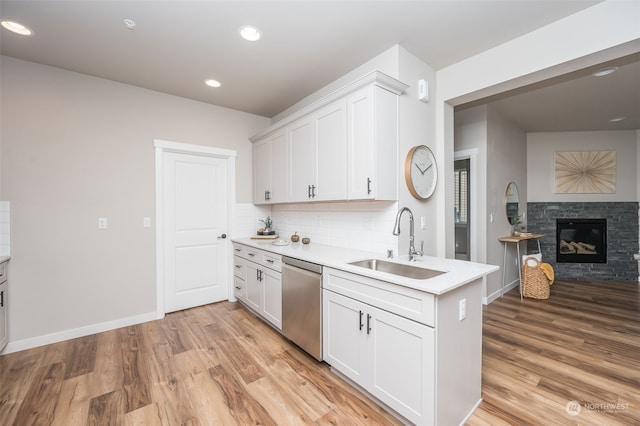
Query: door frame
x=472, y=155
x=161, y=147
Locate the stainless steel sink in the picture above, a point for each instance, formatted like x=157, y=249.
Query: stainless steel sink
x=400, y=269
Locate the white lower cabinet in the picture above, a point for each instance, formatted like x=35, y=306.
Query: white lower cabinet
x=258, y=282
x=391, y=357
x=418, y=353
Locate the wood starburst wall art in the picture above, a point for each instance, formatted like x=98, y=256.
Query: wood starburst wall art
x=585, y=172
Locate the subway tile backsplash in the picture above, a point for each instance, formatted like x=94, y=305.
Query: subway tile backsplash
x=357, y=225
x=5, y=228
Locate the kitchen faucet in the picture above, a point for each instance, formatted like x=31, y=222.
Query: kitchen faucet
x=396, y=231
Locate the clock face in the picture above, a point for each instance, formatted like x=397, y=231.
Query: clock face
x=421, y=172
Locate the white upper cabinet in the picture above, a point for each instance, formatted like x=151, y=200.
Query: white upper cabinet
x=331, y=152
x=302, y=159
x=270, y=169
x=261, y=171
x=373, y=144
x=279, y=192
x=342, y=147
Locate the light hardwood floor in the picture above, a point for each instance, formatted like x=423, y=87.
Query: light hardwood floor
x=218, y=364
x=582, y=344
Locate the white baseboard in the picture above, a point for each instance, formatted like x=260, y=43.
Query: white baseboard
x=60, y=336
x=496, y=294
x=471, y=412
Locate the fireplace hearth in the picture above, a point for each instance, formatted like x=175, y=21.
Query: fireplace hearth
x=581, y=240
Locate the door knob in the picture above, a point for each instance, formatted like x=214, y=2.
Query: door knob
x=223, y=236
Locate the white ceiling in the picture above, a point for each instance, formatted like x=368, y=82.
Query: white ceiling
x=176, y=45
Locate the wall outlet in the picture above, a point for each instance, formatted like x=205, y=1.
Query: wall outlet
x=462, y=310
x=102, y=223
x=423, y=222
x=146, y=222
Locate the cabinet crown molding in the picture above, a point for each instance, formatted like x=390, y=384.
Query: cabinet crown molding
x=375, y=78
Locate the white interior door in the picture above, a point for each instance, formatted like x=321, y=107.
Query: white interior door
x=195, y=220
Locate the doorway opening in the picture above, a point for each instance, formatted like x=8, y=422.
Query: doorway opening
x=462, y=208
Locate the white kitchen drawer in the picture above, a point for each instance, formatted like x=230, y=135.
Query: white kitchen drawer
x=253, y=254
x=261, y=257
x=3, y=272
x=240, y=250
x=239, y=268
x=406, y=302
x=272, y=261
x=239, y=288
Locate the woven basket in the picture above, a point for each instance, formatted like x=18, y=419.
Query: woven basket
x=535, y=284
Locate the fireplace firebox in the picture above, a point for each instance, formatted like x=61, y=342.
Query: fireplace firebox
x=581, y=240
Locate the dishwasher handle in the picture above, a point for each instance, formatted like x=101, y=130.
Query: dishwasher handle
x=302, y=264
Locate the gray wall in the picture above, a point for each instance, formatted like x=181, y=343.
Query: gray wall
x=75, y=148
x=540, y=172
x=502, y=149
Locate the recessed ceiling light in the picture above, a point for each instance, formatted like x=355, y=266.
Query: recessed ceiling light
x=212, y=83
x=16, y=28
x=605, y=71
x=250, y=33
x=129, y=23
x=616, y=119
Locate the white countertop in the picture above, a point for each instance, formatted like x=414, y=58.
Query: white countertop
x=458, y=272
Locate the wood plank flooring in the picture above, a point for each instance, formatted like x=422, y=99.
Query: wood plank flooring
x=218, y=364
x=582, y=345
x=211, y=365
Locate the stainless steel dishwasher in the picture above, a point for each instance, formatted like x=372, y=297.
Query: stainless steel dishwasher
x=302, y=304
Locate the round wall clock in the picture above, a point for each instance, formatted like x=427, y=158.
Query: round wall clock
x=421, y=172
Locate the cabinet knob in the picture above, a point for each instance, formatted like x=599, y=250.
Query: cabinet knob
x=222, y=237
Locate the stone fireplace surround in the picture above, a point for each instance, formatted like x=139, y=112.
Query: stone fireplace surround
x=622, y=238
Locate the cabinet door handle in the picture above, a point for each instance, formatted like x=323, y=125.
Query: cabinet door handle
x=267, y=195
x=360, y=321
x=308, y=191
x=368, y=185
x=313, y=191
x=270, y=260
x=238, y=266
x=238, y=288
x=260, y=274
x=1, y=299
x=368, y=325
x=251, y=254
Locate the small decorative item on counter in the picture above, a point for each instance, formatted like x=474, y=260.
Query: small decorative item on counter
x=295, y=237
x=268, y=224
x=517, y=227
x=306, y=240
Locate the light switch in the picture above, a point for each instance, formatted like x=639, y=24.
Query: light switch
x=423, y=222
x=102, y=223
x=462, y=309
x=146, y=222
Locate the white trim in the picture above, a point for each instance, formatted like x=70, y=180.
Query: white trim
x=87, y=330
x=472, y=155
x=376, y=78
x=162, y=146
x=496, y=294
x=186, y=148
